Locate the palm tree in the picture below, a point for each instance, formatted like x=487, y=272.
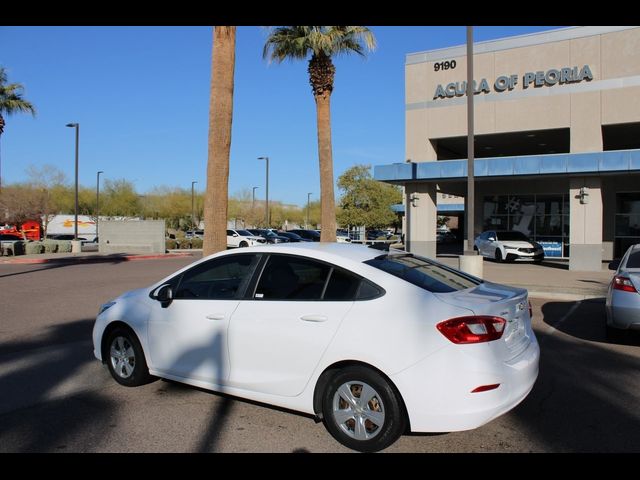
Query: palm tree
x=295, y=42
x=11, y=101
x=220, y=118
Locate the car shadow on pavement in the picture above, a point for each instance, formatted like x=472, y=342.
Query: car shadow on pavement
x=39, y=409
x=50, y=264
x=586, y=395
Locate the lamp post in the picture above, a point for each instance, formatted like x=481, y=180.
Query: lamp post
x=193, y=214
x=253, y=197
x=98, y=200
x=307, y=222
x=267, y=192
x=471, y=197
x=75, y=224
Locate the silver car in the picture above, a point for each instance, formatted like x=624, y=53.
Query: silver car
x=623, y=297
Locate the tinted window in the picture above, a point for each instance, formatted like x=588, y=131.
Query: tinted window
x=219, y=279
x=423, y=273
x=368, y=291
x=342, y=286
x=634, y=260
x=292, y=278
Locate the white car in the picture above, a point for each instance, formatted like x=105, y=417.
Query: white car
x=373, y=343
x=243, y=238
x=508, y=245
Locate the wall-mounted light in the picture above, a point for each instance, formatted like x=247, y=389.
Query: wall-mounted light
x=414, y=199
x=584, y=195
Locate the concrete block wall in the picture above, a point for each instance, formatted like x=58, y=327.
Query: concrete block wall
x=132, y=236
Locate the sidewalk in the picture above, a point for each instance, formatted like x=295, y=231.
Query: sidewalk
x=551, y=279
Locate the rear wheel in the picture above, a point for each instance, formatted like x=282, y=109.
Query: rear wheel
x=498, y=255
x=125, y=359
x=244, y=244
x=362, y=410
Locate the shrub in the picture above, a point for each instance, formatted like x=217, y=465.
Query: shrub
x=34, y=248
x=171, y=244
x=50, y=246
x=196, y=243
x=185, y=244
x=64, y=246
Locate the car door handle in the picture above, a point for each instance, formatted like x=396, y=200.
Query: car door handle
x=314, y=318
x=216, y=316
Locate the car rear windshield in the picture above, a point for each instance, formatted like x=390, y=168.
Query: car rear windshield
x=512, y=236
x=634, y=260
x=423, y=273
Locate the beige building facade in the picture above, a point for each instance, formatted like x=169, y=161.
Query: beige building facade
x=557, y=140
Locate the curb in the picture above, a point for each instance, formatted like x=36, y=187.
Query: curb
x=571, y=297
x=93, y=259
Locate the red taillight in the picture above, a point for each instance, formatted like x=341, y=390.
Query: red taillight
x=485, y=388
x=624, y=284
x=472, y=329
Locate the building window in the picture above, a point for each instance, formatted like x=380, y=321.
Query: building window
x=543, y=218
x=627, y=222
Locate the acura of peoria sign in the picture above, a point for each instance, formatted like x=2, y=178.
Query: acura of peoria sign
x=508, y=82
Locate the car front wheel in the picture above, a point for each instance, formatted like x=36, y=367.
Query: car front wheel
x=126, y=361
x=498, y=255
x=362, y=410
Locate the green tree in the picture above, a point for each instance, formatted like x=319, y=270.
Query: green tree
x=119, y=199
x=11, y=102
x=365, y=201
x=322, y=43
x=220, y=119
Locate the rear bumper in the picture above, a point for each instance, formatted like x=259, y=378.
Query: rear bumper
x=623, y=317
x=437, y=390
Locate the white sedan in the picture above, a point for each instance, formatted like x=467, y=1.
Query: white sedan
x=243, y=238
x=508, y=245
x=372, y=343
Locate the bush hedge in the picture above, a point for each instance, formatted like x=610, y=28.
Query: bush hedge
x=34, y=248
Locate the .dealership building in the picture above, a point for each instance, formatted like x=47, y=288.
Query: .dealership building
x=557, y=140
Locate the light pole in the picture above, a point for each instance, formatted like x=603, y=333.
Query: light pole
x=470, y=148
x=267, y=187
x=253, y=197
x=193, y=214
x=307, y=222
x=75, y=224
x=98, y=200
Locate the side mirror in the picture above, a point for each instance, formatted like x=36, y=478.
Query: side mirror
x=613, y=265
x=164, y=294
x=491, y=239
x=236, y=235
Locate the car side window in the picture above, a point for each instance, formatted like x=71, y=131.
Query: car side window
x=220, y=279
x=342, y=286
x=634, y=260
x=292, y=278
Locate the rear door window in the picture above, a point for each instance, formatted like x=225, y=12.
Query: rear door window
x=423, y=273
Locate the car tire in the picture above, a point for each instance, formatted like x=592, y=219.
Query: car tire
x=498, y=255
x=125, y=358
x=243, y=244
x=366, y=428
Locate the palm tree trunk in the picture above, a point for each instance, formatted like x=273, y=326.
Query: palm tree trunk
x=327, y=198
x=220, y=118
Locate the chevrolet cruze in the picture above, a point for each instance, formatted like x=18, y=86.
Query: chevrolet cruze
x=372, y=343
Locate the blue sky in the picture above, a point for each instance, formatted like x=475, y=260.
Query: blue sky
x=141, y=96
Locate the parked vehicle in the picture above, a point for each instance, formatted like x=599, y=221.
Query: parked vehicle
x=445, y=237
x=293, y=237
x=370, y=342
x=311, y=235
x=242, y=238
x=508, y=245
x=268, y=235
x=194, y=234
x=622, y=304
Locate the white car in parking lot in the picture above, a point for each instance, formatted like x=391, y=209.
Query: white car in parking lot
x=372, y=343
x=243, y=238
x=507, y=246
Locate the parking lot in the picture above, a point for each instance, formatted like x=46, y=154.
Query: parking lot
x=55, y=397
